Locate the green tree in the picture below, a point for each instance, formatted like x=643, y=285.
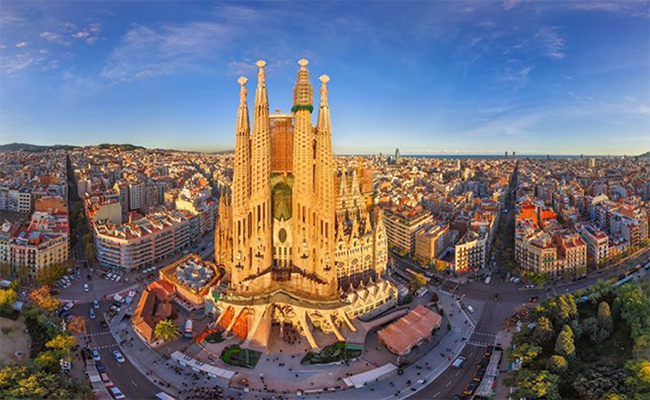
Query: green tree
x=7, y=297
x=642, y=346
x=23, y=273
x=167, y=330
x=557, y=364
x=526, y=352
x=604, y=316
x=61, y=342
x=50, y=275
x=614, y=396
x=543, y=330
x=417, y=281
x=5, y=270
x=48, y=360
x=638, y=379
x=564, y=345
x=536, y=385
x=635, y=309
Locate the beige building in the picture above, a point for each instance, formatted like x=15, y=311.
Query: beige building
x=143, y=242
x=597, y=243
x=290, y=258
x=36, y=250
x=470, y=252
x=402, y=224
x=431, y=242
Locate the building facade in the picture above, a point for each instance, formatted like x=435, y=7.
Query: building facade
x=279, y=239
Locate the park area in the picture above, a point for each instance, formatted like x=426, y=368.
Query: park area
x=13, y=341
x=340, y=351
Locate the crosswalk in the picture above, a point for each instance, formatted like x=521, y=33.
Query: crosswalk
x=485, y=334
x=98, y=333
x=106, y=346
x=479, y=344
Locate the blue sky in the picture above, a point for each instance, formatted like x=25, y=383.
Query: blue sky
x=439, y=77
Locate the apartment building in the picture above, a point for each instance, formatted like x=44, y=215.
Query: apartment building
x=36, y=250
x=143, y=242
x=402, y=225
x=431, y=242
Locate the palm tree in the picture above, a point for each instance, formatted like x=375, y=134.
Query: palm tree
x=167, y=330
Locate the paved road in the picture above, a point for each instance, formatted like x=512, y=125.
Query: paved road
x=125, y=376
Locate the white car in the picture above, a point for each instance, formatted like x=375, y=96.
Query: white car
x=116, y=393
x=119, y=278
x=470, y=309
x=68, y=306
x=86, y=288
x=92, y=314
x=95, y=354
x=114, y=278
x=458, y=363
x=109, y=276
x=118, y=356
x=96, y=304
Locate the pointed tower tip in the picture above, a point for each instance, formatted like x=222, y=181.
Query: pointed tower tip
x=324, y=78
x=303, y=62
x=261, y=63
x=242, y=80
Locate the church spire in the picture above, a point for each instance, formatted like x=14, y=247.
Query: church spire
x=243, y=124
x=242, y=171
x=260, y=205
x=303, y=92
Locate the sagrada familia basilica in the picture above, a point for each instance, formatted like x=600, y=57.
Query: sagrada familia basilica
x=299, y=243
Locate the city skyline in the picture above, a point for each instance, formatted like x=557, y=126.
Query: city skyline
x=433, y=78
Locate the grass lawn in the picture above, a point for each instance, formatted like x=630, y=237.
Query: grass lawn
x=235, y=355
x=333, y=353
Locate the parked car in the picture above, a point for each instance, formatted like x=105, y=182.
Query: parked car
x=114, y=278
x=483, y=363
x=470, y=388
x=106, y=380
x=86, y=288
x=478, y=375
x=118, y=356
x=96, y=304
x=100, y=367
x=116, y=393
x=470, y=309
x=95, y=355
x=54, y=292
x=92, y=314
x=68, y=306
x=533, y=299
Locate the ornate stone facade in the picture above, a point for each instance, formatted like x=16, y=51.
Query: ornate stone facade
x=293, y=253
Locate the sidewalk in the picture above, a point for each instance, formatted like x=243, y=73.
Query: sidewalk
x=155, y=367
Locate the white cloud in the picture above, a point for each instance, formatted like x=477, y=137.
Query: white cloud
x=145, y=52
x=91, y=40
x=19, y=62
x=643, y=110
x=510, y=4
x=53, y=37
x=21, y=44
x=551, y=42
x=80, y=35
x=517, y=73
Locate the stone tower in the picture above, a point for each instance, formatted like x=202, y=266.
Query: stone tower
x=278, y=237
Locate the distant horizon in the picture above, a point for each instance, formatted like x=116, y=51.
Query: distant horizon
x=387, y=153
